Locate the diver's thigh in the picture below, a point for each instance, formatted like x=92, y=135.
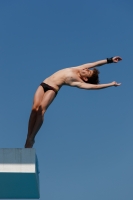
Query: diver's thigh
x=47, y=99
x=38, y=96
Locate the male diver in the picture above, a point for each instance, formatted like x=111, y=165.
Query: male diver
x=83, y=77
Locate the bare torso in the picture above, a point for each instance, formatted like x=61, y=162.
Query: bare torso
x=63, y=77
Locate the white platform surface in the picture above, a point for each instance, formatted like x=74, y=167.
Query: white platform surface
x=19, y=174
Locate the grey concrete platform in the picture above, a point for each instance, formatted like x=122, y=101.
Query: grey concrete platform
x=19, y=174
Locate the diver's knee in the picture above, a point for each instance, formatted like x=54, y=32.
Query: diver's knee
x=35, y=108
x=41, y=110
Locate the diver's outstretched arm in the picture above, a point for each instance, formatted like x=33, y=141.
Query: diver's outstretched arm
x=101, y=62
x=88, y=86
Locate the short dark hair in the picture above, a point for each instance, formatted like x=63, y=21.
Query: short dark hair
x=94, y=79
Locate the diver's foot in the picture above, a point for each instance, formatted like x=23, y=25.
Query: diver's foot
x=29, y=143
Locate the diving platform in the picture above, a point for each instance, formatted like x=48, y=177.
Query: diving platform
x=19, y=174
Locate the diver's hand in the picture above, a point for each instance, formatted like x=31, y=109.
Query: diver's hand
x=116, y=59
x=114, y=83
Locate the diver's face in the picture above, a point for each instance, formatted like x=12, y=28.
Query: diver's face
x=86, y=73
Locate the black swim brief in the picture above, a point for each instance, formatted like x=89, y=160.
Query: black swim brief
x=47, y=87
